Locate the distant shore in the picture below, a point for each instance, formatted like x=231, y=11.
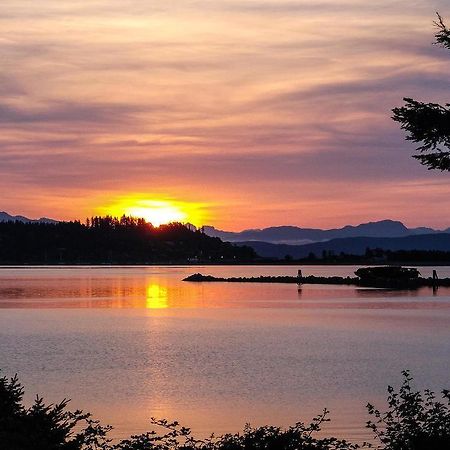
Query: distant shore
x=228, y=263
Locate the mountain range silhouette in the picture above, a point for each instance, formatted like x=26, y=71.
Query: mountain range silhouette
x=299, y=236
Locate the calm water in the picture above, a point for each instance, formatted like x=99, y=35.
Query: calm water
x=128, y=343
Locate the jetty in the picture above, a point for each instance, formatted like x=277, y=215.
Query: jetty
x=386, y=277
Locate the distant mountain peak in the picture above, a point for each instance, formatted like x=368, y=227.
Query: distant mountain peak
x=6, y=217
x=290, y=234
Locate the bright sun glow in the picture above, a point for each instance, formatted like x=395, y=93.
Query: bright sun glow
x=157, y=212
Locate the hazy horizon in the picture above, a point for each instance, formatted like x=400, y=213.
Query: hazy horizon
x=355, y=224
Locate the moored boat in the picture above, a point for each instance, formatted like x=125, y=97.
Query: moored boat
x=389, y=277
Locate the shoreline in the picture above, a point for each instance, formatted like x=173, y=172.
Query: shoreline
x=224, y=263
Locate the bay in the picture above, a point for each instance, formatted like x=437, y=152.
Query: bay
x=129, y=343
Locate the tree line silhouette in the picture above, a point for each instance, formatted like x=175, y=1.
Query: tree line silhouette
x=111, y=240
x=372, y=256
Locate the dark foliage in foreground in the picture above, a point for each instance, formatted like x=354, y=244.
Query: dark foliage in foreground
x=299, y=436
x=112, y=241
x=429, y=123
x=413, y=421
x=45, y=427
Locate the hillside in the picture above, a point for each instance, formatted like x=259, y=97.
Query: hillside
x=106, y=240
x=354, y=246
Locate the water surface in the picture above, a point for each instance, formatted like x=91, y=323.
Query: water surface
x=128, y=343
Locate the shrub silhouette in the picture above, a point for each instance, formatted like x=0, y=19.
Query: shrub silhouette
x=413, y=421
x=45, y=427
x=298, y=436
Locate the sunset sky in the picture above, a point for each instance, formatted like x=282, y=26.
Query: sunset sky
x=240, y=114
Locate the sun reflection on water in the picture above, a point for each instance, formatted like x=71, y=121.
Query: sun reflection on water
x=157, y=297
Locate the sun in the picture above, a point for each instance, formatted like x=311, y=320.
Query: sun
x=157, y=212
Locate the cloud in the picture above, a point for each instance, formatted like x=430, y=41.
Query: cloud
x=61, y=112
x=249, y=103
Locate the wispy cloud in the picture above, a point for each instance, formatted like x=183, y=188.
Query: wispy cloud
x=234, y=103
